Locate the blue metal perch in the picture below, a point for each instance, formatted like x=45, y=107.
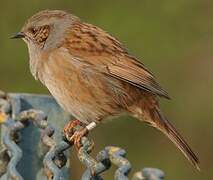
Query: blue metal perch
x=27, y=119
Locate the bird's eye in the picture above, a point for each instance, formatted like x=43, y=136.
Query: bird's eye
x=32, y=30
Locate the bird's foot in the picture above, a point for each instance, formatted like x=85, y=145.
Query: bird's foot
x=74, y=135
x=69, y=128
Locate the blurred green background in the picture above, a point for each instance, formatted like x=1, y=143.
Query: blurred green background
x=174, y=38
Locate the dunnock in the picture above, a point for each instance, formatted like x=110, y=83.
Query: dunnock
x=92, y=76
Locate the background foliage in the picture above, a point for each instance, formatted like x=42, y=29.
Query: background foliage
x=173, y=38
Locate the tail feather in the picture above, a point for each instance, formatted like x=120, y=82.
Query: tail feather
x=169, y=130
x=156, y=119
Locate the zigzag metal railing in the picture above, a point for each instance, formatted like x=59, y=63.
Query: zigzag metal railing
x=55, y=158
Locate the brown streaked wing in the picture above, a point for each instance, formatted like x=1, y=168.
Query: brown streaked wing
x=105, y=53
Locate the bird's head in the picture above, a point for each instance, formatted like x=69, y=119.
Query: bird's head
x=46, y=28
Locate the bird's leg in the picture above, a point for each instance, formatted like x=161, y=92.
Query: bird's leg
x=74, y=136
x=69, y=128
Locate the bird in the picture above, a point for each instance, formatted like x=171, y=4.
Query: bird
x=92, y=75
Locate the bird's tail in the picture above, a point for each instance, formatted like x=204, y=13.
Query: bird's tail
x=156, y=119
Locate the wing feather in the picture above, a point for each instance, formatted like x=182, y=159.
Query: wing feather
x=99, y=49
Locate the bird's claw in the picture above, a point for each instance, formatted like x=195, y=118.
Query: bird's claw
x=69, y=128
x=72, y=134
x=76, y=137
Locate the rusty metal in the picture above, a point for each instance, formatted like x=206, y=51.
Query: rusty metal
x=11, y=129
x=117, y=157
x=110, y=155
x=149, y=174
x=4, y=160
x=22, y=126
x=13, y=148
x=94, y=167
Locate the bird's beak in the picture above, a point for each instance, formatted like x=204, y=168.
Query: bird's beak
x=18, y=35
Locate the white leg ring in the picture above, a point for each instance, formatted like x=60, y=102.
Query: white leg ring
x=91, y=126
